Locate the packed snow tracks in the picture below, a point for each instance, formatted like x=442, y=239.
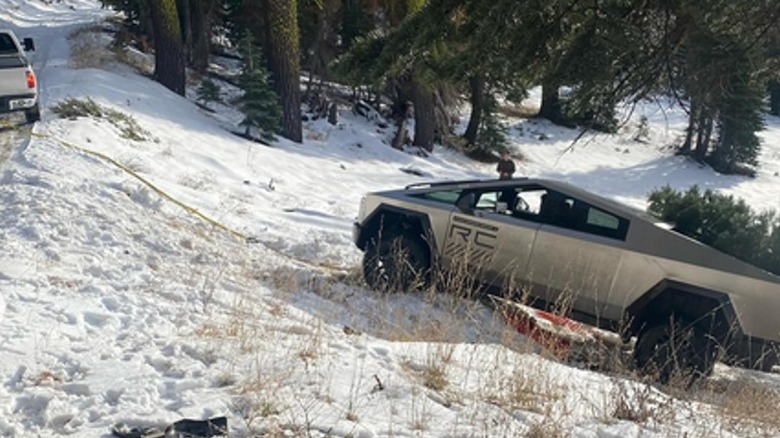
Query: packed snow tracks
x=12, y=135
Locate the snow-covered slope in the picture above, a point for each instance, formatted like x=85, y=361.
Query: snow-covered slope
x=119, y=304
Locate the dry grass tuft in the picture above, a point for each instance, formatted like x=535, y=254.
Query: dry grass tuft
x=435, y=377
x=748, y=406
x=533, y=393
x=545, y=429
x=531, y=388
x=433, y=372
x=640, y=403
x=88, y=49
x=286, y=280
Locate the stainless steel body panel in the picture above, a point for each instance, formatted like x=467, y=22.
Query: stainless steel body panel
x=496, y=245
x=576, y=270
x=604, y=273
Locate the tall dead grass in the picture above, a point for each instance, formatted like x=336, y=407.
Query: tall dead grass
x=447, y=314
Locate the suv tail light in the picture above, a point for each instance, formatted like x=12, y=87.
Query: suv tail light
x=30, y=79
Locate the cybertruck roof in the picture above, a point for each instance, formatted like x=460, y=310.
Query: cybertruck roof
x=587, y=196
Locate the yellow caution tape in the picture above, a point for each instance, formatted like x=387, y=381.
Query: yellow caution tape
x=146, y=182
x=5, y=124
x=187, y=208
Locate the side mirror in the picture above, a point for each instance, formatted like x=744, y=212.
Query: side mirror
x=466, y=202
x=29, y=44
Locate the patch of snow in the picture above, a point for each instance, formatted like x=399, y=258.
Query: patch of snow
x=119, y=305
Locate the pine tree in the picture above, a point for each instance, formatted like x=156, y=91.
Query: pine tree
x=135, y=14
x=720, y=67
x=259, y=103
x=721, y=221
x=208, y=92
x=240, y=16
x=491, y=139
x=355, y=22
x=385, y=59
x=740, y=117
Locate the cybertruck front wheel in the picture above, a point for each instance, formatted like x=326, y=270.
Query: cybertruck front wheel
x=394, y=264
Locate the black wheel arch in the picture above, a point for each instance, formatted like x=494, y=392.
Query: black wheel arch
x=709, y=310
x=388, y=220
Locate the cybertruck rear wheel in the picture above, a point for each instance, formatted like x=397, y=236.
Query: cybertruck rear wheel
x=397, y=263
x=674, y=349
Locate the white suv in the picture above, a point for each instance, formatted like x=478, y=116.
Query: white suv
x=18, y=83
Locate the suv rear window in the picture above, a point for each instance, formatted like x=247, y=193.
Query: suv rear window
x=7, y=45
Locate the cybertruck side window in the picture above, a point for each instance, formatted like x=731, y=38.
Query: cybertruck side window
x=529, y=201
x=564, y=211
x=598, y=218
x=605, y=224
x=516, y=201
x=445, y=196
x=487, y=201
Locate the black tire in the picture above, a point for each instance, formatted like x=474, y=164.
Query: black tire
x=674, y=348
x=398, y=263
x=33, y=115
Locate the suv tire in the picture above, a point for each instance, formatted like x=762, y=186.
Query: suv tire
x=398, y=263
x=33, y=115
x=664, y=349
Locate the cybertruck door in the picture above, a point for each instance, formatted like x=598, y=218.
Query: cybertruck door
x=485, y=242
x=576, y=256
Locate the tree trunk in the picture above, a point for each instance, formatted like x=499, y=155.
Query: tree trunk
x=774, y=86
x=693, y=117
x=704, y=128
x=710, y=123
x=324, y=47
x=551, y=108
x=402, y=133
x=401, y=95
x=185, y=23
x=424, y=115
x=443, y=121
x=202, y=19
x=477, y=108
x=774, y=98
x=168, y=53
x=284, y=59
x=333, y=114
